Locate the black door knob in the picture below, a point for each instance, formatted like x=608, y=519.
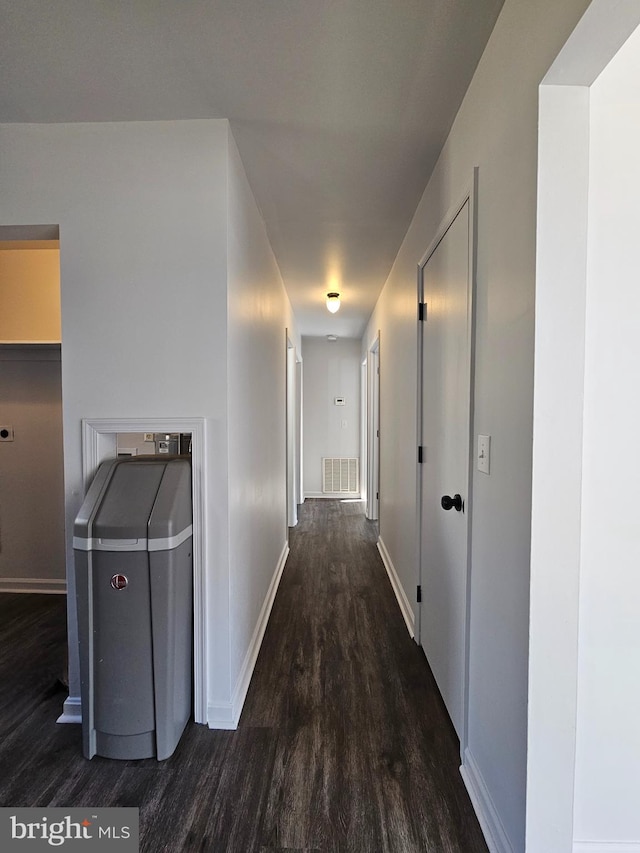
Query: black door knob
x=455, y=502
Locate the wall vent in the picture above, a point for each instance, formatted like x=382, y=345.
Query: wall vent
x=340, y=475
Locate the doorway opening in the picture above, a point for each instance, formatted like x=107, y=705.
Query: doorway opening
x=373, y=431
x=293, y=432
x=32, y=548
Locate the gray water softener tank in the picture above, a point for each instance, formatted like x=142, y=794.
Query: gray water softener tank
x=133, y=559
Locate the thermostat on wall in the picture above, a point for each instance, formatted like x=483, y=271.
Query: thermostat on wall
x=340, y=401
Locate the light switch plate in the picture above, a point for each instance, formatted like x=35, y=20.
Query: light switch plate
x=484, y=453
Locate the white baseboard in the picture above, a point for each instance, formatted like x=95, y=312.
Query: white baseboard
x=71, y=710
x=226, y=715
x=403, y=601
x=606, y=847
x=220, y=716
x=42, y=585
x=488, y=817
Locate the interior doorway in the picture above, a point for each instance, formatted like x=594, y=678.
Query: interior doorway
x=293, y=432
x=373, y=431
x=32, y=546
x=364, y=435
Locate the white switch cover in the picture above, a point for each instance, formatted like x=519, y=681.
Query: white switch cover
x=484, y=453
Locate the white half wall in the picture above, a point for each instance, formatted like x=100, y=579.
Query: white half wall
x=496, y=130
x=141, y=208
x=607, y=734
x=331, y=369
x=583, y=683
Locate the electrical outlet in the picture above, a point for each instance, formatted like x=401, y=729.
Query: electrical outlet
x=6, y=433
x=148, y=436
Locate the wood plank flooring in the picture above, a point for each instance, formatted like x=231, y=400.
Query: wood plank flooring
x=344, y=745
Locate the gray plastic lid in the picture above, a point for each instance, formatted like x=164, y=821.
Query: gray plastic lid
x=130, y=496
x=139, y=503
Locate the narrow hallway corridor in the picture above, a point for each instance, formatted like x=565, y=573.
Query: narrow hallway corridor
x=366, y=758
x=343, y=745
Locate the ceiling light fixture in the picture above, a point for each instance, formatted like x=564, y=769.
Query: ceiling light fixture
x=333, y=302
x=332, y=338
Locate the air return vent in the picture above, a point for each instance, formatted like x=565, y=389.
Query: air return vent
x=340, y=475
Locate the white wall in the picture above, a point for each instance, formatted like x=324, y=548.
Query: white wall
x=607, y=735
x=259, y=315
x=555, y=535
x=331, y=369
x=496, y=129
x=32, y=548
x=143, y=242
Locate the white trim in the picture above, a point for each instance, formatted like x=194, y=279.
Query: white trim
x=226, y=715
x=486, y=812
x=98, y=443
x=71, y=711
x=364, y=438
x=220, y=716
x=48, y=586
x=403, y=602
x=372, y=508
x=291, y=416
x=606, y=847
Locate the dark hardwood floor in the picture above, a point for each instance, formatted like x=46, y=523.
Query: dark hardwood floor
x=344, y=744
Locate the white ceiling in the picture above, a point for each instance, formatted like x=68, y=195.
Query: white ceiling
x=339, y=109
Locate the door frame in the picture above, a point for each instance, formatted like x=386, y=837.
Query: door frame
x=470, y=196
x=373, y=430
x=293, y=431
x=364, y=434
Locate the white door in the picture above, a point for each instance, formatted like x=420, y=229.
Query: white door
x=445, y=278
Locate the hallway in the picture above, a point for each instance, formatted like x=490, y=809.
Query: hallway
x=343, y=744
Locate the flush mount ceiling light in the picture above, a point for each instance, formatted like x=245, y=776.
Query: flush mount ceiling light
x=333, y=302
x=332, y=338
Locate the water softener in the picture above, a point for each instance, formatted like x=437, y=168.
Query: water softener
x=134, y=588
